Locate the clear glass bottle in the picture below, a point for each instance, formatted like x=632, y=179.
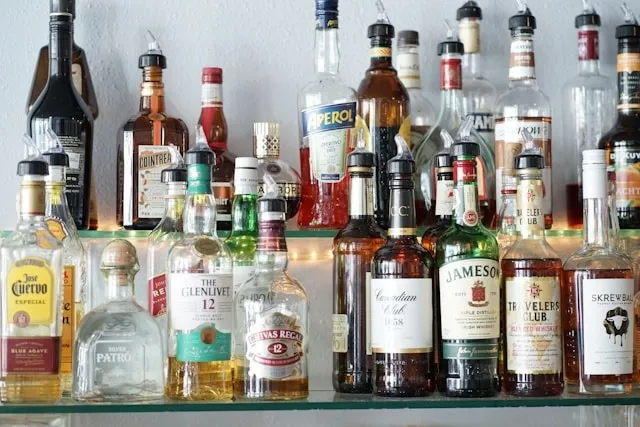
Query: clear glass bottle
x=60, y=223
x=507, y=229
x=588, y=106
x=324, y=144
x=118, y=351
x=271, y=315
x=598, y=293
x=163, y=237
x=266, y=148
x=200, y=290
x=523, y=106
x=31, y=260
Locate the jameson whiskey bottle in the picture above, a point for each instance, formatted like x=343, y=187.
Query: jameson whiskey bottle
x=469, y=287
x=402, y=294
x=622, y=142
x=383, y=110
x=531, y=277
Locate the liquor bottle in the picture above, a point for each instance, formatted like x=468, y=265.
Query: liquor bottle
x=421, y=111
x=31, y=322
x=244, y=216
x=163, y=237
x=327, y=111
x=523, y=106
x=272, y=315
x=597, y=294
x=214, y=124
x=383, y=110
x=622, y=142
x=452, y=119
x=479, y=94
x=118, y=348
x=507, y=232
x=61, y=108
x=353, y=249
x=589, y=100
x=531, y=279
x=402, y=294
x=266, y=148
x=469, y=288
x=60, y=223
x=200, y=289
x=143, y=147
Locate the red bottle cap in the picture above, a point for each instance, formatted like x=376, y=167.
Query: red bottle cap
x=212, y=75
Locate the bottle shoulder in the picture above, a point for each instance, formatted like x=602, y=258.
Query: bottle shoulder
x=530, y=249
x=479, y=85
x=325, y=91
x=597, y=259
x=590, y=82
x=401, y=251
x=523, y=100
x=280, y=171
x=199, y=254
x=461, y=242
x=382, y=84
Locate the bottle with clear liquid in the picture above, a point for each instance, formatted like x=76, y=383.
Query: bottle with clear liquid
x=507, y=231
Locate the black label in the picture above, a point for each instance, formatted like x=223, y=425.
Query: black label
x=384, y=147
x=402, y=211
x=629, y=80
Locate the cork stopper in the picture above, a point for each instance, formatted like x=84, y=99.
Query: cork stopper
x=119, y=254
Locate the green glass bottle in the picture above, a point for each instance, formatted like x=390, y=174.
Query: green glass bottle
x=469, y=288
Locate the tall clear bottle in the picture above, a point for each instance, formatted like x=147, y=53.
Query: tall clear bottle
x=60, y=223
x=588, y=106
x=327, y=118
x=271, y=315
x=523, y=106
x=507, y=230
x=200, y=285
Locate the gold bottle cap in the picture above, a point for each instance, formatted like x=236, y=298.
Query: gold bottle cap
x=119, y=254
x=266, y=140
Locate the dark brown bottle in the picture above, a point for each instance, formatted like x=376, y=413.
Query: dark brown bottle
x=401, y=299
x=383, y=112
x=143, y=148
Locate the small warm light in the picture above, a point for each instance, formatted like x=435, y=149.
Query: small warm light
x=294, y=255
x=330, y=254
x=314, y=255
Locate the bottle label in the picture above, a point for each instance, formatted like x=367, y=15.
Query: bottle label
x=380, y=52
x=522, y=64
x=151, y=161
x=484, y=124
x=288, y=190
x=158, y=295
x=326, y=19
x=201, y=315
x=68, y=318
x=75, y=148
x=466, y=204
x=608, y=325
x=408, y=66
x=340, y=333
x=241, y=274
x=57, y=228
x=450, y=74
x=198, y=179
x=628, y=81
x=275, y=346
x=271, y=236
x=445, y=197
x=529, y=200
x=245, y=181
x=76, y=77
x=328, y=131
x=119, y=362
x=470, y=299
x=402, y=213
x=509, y=144
x=27, y=355
x=223, y=193
x=401, y=315
x=30, y=289
x=211, y=95
x=588, y=45
x=624, y=166
x=469, y=30
x=368, y=315
x=534, y=325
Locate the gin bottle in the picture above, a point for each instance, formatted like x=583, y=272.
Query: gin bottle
x=118, y=350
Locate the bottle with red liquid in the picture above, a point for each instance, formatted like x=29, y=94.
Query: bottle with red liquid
x=214, y=125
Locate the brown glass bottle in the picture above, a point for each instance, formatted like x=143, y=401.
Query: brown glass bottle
x=143, y=149
x=622, y=142
x=401, y=299
x=353, y=249
x=383, y=112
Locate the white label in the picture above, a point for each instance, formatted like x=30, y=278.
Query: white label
x=241, y=274
x=401, y=315
x=408, y=66
x=469, y=31
x=368, y=309
x=470, y=299
x=245, y=181
x=445, y=197
x=340, y=333
x=522, y=63
x=534, y=325
x=468, y=205
x=608, y=326
x=211, y=95
x=76, y=77
x=74, y=160
x=152, y=160
x=196, y=299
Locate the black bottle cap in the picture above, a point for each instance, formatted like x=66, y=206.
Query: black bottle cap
x=380, y=29
x=450, y=46
x=326, y=5
x=33, y=167
x=588, y=19
x=408, y=37
x=401, y=166
x=175, y=174
x=62, y=6
x=469, y=10
x=465, y=149
x=56, y=158
x=523, y=20
x=444, y=160
x=152, y=60
x=628, y=31
x=272, y=204
x=199, y=155
x=529, y=161
x=360, y=158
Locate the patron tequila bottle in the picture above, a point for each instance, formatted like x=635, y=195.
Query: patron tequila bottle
x=118, y=351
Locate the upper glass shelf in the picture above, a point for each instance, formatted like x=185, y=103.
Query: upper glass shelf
x=324, y=400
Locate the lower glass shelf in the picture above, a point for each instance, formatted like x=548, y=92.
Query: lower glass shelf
x=328, y=401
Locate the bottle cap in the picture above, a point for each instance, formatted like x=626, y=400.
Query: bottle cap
x=593, y=157
x=119, y=254
x=62, y=6
x=469, y=10
x=451, y=44
x=176, y=172
x=403, y=162
x=266, y=139
x=630, y=28
x=382, y=27
x=272, y=201
x=594, y=175
x=327, y=6
x=408, y=38
x=523, y=19
x=589, y=16
x=530, y=157
x=55, y=155
x=465, y=149
x=246, y=163
x=200, y=154
x=153, y=57
x=360, y=157
x=34, y=164
x=443, y=158
x=212, y=75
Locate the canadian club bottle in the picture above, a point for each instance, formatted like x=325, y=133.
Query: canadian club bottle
x=531, y=277
x=469, y=288
x=402, y=295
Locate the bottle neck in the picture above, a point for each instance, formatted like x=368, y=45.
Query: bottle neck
x=199, y=216
x=211, y=95
x=466, y=190
x=32, y=199
x=327, y=57
x=380, y=53
x=450, y=73
x=60, y=47
x=451, y=108
x=152, y=90
x=174, y=201
x=595, y=207
x=472, y=65
x=445, y=196
x=529, y=204
x=469, y=30
x=408, y=65
x=627, y=73
x=360, y=193
x=522, y=64
x=402, y=208
x=119, y=285
x=588, y=50
x=244, y=214
x=271, y=248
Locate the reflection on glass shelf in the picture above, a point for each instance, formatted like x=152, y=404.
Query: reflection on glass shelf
x=326, y=400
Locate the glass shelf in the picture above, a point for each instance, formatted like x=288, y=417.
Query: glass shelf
x=325, y=400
